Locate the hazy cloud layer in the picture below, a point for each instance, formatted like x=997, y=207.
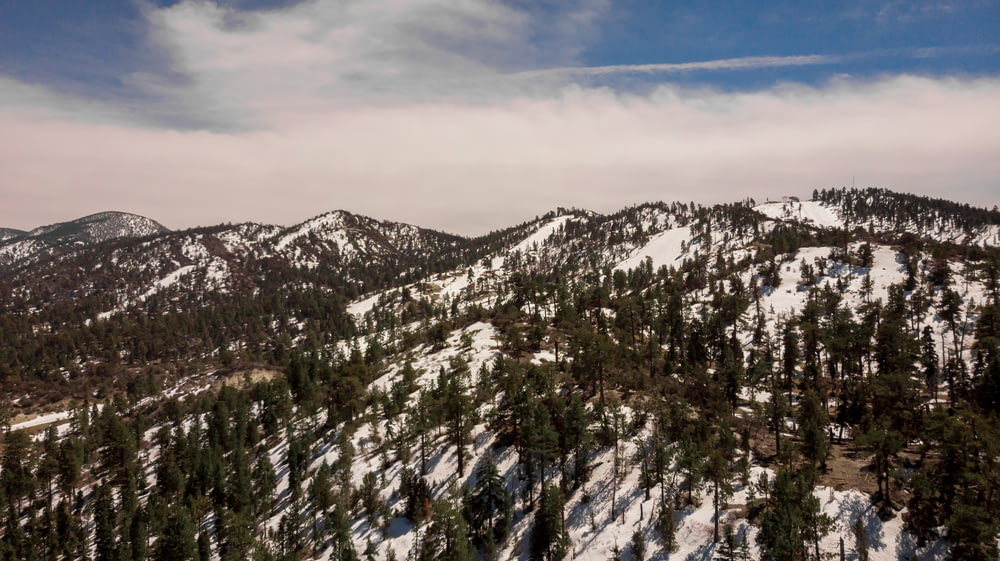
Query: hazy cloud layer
x=429, y=112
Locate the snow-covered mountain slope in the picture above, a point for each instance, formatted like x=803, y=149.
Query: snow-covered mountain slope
x=62, y=237
x=634, y=366
x=99, y=227
x=807, y=212
x=892, y=213
x=354, y=238
x=667, y=248
x=8, y=233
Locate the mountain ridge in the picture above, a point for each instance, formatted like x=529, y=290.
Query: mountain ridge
x=53, y=239
x=666, y=381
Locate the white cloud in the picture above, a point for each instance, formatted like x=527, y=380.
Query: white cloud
x=261, y=68
x=399, y=111
x=742, y=63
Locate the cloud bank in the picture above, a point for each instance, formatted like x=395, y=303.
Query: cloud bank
x=427, y=112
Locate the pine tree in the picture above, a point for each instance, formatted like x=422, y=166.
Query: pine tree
x=860, y=539
x=458, y=410
x=972, y=531
x=264, y=482
x=638, y=546
x=104, y=525
x=549, y=541
x=717, y=470
x=489, y=505
x=813, y=420
x=16, y=478
x=728, y=548
x=177, y=540
x=576, y=438
x=447, y=538
x=923, y=509
x=793, y=520
x=884, y=445
x=71, y=456
x=666, y=523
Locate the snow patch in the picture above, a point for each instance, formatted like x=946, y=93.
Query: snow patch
x=810, y=212
x=667, y=248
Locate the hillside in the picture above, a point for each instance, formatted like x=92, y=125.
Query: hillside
x=19, y=248
x=786, y=380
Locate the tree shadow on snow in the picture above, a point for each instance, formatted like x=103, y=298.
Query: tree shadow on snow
x=853, y=508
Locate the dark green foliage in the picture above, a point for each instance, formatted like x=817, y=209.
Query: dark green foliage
x=813, y=421
x=549, y=541
x=792, y=523
x=680, y=346
x=105, y=548
x=264, y=482
x=731, y=548
x=638, y=546
x=177, y=541
x=447, y=538
x=488, y=507
x=884, y=445
x=417, y=495
x=860, y=539
x=973, y=532
x=16, y=478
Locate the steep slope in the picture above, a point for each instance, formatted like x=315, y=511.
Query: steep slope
x=581, y=384
x=807, y=212
x=350, y=238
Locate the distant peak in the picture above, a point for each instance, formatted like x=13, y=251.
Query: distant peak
x=96, y=228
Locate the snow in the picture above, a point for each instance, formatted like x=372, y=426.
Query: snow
x=329, y=226
x=542, y=357
x=667, y=248
x=541, y=234
x=362, y=307
x=42, y=420
x=790, y=296
x=811, y=212
x=887, y=541
x=170, y=279
x=477, y=344
x=535, y=239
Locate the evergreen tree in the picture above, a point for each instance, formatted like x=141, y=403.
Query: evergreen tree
x=105, y=523
x=549, y=541
x=489, y=506
x=793, y=520
x=813, y=421
x=16, y=478
x=576, y=438
x=264, y=482
x=718, y=472
x=447, y=538
x=973, y=533
x=458, y=411
x=638, y=546
x=728, y=548
x=884, y=446
x=177, y=540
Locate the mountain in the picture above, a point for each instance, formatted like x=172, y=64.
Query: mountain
x=8, y=233
x=17, y=247
x=780, y=380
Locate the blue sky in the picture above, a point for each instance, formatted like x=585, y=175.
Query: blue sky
x=91, y=47
x=470, y=88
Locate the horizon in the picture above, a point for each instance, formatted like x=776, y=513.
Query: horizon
x=468, y=117
x=517, y=222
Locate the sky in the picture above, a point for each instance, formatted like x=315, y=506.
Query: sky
x=471, y=115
